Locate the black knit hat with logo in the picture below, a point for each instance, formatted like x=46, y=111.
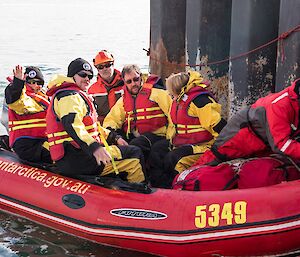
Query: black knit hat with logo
x=34, y=73
x=78, y=65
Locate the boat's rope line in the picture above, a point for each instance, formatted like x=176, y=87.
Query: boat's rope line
x=291, y=222
x=283, y=36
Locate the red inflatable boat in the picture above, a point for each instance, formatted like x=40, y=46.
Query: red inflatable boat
x=250, y=222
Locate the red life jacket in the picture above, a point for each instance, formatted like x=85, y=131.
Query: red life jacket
x=31, y=125
x=55, y=129
x=142, y=114
x=106, y=94
x=155, y=80
x=188, y=129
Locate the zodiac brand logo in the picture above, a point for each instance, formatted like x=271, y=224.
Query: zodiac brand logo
x=138, y=214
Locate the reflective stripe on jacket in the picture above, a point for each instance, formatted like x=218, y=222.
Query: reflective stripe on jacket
x=188, y=129
x=55, y=129
x=29, y=125
x=142, y=114
x=271, y=123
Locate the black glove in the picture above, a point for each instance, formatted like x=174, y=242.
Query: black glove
x=4, y=142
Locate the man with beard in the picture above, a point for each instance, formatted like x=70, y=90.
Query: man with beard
x=109, y=85
x=141, y=114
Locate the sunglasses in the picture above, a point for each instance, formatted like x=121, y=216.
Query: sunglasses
x=32, y=82
x=101, y=66
x=84, y=75
x=135, y=79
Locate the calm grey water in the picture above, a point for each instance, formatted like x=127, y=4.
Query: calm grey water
x=49, y=34
x=22, y=238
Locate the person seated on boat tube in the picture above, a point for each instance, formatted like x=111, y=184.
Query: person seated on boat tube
x=74, y=132
x=196, y=122
x=4, y=139
x=141, y=115
x=27, y=107
x=270, y=125
x=109, y=85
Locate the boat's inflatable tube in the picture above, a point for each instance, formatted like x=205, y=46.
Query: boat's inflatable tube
x=250, y=222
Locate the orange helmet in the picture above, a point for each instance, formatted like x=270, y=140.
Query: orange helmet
x=102, y=57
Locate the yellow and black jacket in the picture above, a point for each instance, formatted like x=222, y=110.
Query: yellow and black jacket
x=196, y=116
x=26, y=112
x=146, y=112
x=71, y=118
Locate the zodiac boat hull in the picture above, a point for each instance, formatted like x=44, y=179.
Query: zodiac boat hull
x=250, y=222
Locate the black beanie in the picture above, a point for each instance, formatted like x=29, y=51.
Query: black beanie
x=34, y=73
x=77, y=65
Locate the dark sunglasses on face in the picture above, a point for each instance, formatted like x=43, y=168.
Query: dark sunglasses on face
x=32, y=82
x=101, y=66
x=135, y=79
x=84, y=75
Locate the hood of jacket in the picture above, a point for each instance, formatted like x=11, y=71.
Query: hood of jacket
x=58, y=82
x=195, y=80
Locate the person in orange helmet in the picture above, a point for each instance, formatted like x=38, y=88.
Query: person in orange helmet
x=109, y=85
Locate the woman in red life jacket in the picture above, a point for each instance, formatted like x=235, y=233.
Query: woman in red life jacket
x=271, y=124
x=141, y=114
x=196, y=122
x=74, y=132
x=27, y=106
x=109, y=85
